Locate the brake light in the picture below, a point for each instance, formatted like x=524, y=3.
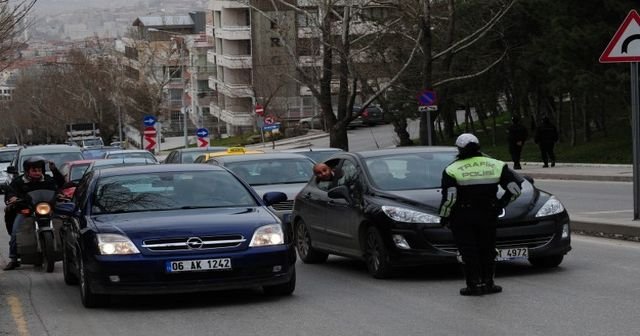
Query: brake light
x=365, y=113
x=25, y=211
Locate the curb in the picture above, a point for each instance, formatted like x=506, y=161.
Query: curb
x=577, y=177
x=598, y=228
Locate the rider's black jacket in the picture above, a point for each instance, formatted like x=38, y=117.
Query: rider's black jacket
x=22, y=185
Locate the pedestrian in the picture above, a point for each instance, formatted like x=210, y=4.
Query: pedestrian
x=34, y=178
x=470, y=209
x=517, y=135
x=546, y=138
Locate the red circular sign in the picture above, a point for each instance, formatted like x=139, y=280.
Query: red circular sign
x=259, y=110
x=268, y=120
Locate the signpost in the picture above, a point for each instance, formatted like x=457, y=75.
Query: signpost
x=203, y=137
x=271, y=127
x=625, y=47
x=149, y=120
x=427, y=99
x=268, y=120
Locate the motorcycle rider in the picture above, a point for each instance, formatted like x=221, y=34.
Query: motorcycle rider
x=33, y=178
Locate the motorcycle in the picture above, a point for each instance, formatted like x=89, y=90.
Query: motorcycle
x=38, y=239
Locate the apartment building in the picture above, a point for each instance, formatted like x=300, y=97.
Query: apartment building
x=253, y=65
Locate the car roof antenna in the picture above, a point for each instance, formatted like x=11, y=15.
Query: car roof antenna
x=374, y=138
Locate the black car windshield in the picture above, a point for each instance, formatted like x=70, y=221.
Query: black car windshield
x=273, y=171
x=408, y=171
x=161, y=191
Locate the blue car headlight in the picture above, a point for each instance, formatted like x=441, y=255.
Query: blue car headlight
x=551, y=207
x=115, y=244
x=409, y=216
x=268, y=235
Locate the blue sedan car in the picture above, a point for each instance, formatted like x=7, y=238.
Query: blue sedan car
x=172, y=229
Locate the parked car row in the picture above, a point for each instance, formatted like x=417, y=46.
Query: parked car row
x=371, y=116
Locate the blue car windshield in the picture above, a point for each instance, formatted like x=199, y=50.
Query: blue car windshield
x=408, y=171
x=162, y=191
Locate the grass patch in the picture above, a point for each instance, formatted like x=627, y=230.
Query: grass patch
x=615, y=148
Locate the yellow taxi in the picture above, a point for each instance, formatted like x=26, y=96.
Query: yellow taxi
x=230, y=151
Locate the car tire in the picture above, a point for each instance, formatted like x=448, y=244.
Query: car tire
x=69, y=277
x=89, y=298
x=547, y=261
x=284, y=289
x=305, y=125
x=376, y=254
x=307, y=253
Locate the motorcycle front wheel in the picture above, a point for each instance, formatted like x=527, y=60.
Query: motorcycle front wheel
x=48, y=252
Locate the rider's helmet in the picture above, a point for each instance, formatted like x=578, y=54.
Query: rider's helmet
x=34, y=161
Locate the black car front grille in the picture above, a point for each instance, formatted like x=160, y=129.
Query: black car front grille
x=193, y=243
x=530, y=242
x=283, y=206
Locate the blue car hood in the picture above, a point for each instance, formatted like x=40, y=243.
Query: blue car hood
x=195, y=222
x=429, y=200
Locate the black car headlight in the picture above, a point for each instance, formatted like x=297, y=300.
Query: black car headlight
x=551, y=207
x=409, y=216
x=115, y=244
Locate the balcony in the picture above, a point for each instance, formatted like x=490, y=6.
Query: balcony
x=203, y=72
x=218, y=5
x=235, y=90
x=237, y=118
x=235, y=61
x=234, y=33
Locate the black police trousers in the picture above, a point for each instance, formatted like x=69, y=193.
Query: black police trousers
x=474, y=232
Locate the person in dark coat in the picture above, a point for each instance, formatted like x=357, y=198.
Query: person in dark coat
x=546, y=138
x=470, y=208
x=517, y=135
x=34, y=178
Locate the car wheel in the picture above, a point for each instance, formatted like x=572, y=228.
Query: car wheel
x=89, y=298
x=547, y=262
x=377, y=255
x=284, y=289
x=69, y=277
x=305, y=125
x=307, y=253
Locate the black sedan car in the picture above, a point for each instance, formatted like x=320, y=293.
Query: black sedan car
x=382, y=207
x=172, y=229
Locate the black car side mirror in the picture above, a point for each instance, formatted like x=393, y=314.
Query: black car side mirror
x=12, y=170
x=274, y=197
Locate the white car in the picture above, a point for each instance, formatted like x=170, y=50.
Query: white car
x=131, y=153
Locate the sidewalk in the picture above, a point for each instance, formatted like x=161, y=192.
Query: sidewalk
x=614, y=224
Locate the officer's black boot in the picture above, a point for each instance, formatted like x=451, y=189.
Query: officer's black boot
x=474, y=286
x=488, y=274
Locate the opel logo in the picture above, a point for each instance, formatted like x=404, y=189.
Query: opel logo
x=194, y=243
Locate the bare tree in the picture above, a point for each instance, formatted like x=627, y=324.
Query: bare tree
x=13, y=22
x=340, y=34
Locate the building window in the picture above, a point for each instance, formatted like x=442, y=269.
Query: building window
x=275, y=42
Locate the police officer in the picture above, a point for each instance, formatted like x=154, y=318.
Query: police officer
x=34, y=178
x=470, y=208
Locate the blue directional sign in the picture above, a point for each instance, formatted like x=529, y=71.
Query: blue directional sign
x=149, y=120
x=427, y=97
x=271, y=127
x=202, y=132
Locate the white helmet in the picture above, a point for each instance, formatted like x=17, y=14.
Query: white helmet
x=465, y=139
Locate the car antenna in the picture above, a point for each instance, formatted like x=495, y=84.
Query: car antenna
x=374, y=138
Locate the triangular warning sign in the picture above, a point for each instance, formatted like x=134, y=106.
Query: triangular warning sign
x=625, y=44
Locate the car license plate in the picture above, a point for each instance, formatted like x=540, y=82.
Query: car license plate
x=512, y=253
x=198, y=265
